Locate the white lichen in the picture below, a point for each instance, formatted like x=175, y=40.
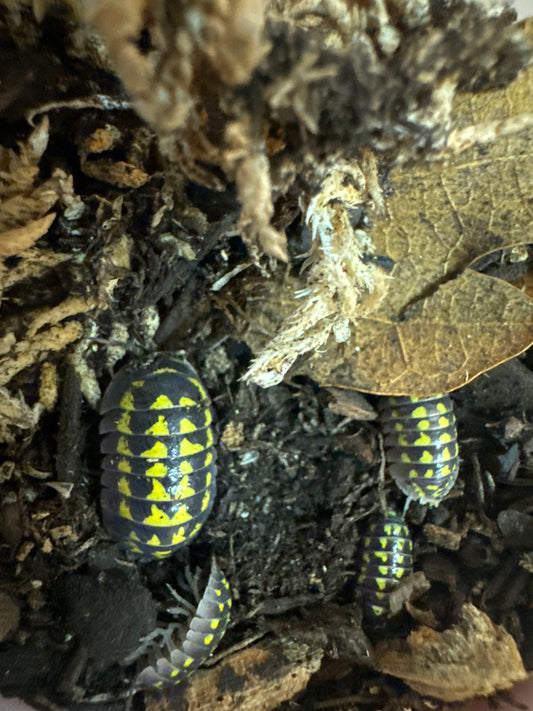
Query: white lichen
x=338, y=277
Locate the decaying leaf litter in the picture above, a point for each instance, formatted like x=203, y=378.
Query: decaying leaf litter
x=171, y=162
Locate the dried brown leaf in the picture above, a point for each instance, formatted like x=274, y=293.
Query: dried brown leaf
x=468, y=326
x=432, y=324
x=72, y=306
x=15, y=415
x=20, y=238
x=24, y=199
x=118, y=172
x=48, y=386
x=475, y=657
x=30, y=351
x=32, y=263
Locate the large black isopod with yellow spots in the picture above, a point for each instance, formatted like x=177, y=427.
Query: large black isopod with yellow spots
x=204, y=633
x=420, y=439
x=159, y=472
x=386, y=558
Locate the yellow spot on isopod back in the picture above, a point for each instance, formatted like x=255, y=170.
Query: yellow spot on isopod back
x=381, y=556
x=445, y=438
x=187, y=426
x=123, y=447
x=444, y=421
x=175, y=672
x=134, y=536
x=133, y=548
x=126, y=401
x=161, y=554
x=229, y=603
x=158, y=470
x=208, y=417
x=221, y=606
x=208, y=639
x=124, y=510
x=381, y=583
x=218, y=593
x=209, y=438
x=138, y=383
x=432, y=487
x=208, y=478
x=185, y=467
x=208, y=459
x=423, y=424
x=403, y=441
x=441, y=407
x=186, y=402
x=379, y=595
x=214, y=624
x=426, y=458
x=124, y=486
x=185, y=489
x=124, y=465
x=158, y=428
x=195, y=530
x=419, y=412
x=383, y=542
x=383, y=569
x=446, y=471
x=161, y=403
x=158, y=493
x=388, y=529
x=123, y=424
x=205, y=500
x=158, y=517
x=159, y=450
x=153, y=541
x=423, y=440
x=377, y=611
x=399, y=427
x=188, y=661
x=187, y=448
x=413, y=474
x=405, y=457
x=445, y=454
x=182, y=515
x=166, y=369
x=429, y=474
x=179, y=536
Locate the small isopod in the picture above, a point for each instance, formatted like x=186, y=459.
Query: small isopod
x=386, y=558
x=420, y=439
x=159, y=463
x=204, y=633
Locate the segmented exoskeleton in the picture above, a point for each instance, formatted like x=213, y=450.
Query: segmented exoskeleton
x=420, y=439
x=159, y=472
x=386, y=558
x=204, y=633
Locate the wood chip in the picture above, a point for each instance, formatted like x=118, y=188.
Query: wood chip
x=475, y=657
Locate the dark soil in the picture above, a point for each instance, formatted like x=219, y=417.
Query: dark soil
x=297, y=483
